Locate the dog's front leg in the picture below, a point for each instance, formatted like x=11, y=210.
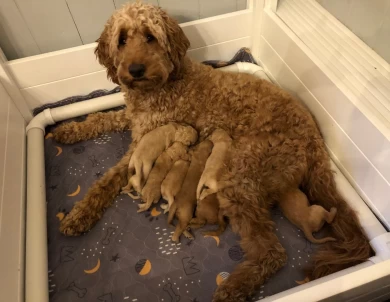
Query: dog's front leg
x=99, y=197
x=95, y=125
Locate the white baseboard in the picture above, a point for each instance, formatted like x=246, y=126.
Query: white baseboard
x=359, y=148
x=53, y=76
x=54, y=91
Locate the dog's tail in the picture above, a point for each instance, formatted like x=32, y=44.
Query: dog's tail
x=351, y=246
x=312, y=239
x=172, y=211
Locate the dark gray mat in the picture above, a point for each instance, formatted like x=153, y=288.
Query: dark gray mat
x=128, y=256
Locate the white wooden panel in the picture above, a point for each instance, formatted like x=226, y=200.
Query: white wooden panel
x=51, y=92
x=369, y=20
x=119, y=3
x=90, y=17
x=241, y=4
x=373, y=143
x=209, y=8
x=342, y=56
x=354, y=164
x=12, y=205
x=54, y=66
x=382, y=45
x=181, y=10
x=4, y=109
x=365, y=19
x=15, y=38
x=81, y=60
x=361, y=149
x=50, y=23
x=338, y=8
x=12, y=89
x=221, y=51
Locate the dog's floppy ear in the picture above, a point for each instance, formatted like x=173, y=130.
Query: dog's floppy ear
x=178, y=43
x=102, y=52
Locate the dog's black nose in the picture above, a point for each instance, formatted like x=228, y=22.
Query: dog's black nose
x=137, y=70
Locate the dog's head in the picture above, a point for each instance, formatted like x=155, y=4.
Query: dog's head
x=142, y=47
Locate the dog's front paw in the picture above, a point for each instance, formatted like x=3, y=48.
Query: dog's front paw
x=77, y=222
x=228, y=294
x=68, y=133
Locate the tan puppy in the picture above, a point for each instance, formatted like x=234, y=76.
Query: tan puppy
x=209, y=181
x=151, y=192
x=185, y=201
x=208, y=212
x=296, y=207
x=173, y=182
x=150, y=147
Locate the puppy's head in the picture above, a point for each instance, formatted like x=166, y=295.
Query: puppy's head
x=186, y=135
x=142, y=47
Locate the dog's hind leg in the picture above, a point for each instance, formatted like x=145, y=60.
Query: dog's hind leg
x=264, y=253
x=99, y=197
x=95, y=125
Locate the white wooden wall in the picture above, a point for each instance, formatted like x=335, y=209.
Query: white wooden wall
x=12, y=198
x=33, y=27
x=368, y=19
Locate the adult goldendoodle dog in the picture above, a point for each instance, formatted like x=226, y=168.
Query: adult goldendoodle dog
x=276, y=143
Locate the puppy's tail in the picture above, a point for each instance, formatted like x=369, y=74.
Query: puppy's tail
x=172, y=212
x=171, y=201
x=352, y=246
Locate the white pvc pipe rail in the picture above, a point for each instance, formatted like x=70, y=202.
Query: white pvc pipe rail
x=36, y=289
x=36, y=235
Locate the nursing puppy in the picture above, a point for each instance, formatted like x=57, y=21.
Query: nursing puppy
x=208, y=212
x=185, y=201
x=210, y=180
x=173, y=182
x=151, y=192
x=150, y=147
x=296, y=207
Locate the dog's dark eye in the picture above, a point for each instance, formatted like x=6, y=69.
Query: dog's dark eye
x=122, y=39
x=150, y=38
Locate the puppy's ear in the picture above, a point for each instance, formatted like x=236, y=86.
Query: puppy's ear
x=178, y=43
x=102, y=52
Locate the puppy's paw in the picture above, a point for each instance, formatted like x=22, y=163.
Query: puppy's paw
x=143, y=207
x=68, y=133
x=175, y=238
x=188, y=235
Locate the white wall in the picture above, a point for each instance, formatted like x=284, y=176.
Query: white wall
x=32, y=27
x=12, y=177
x=368, y=19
